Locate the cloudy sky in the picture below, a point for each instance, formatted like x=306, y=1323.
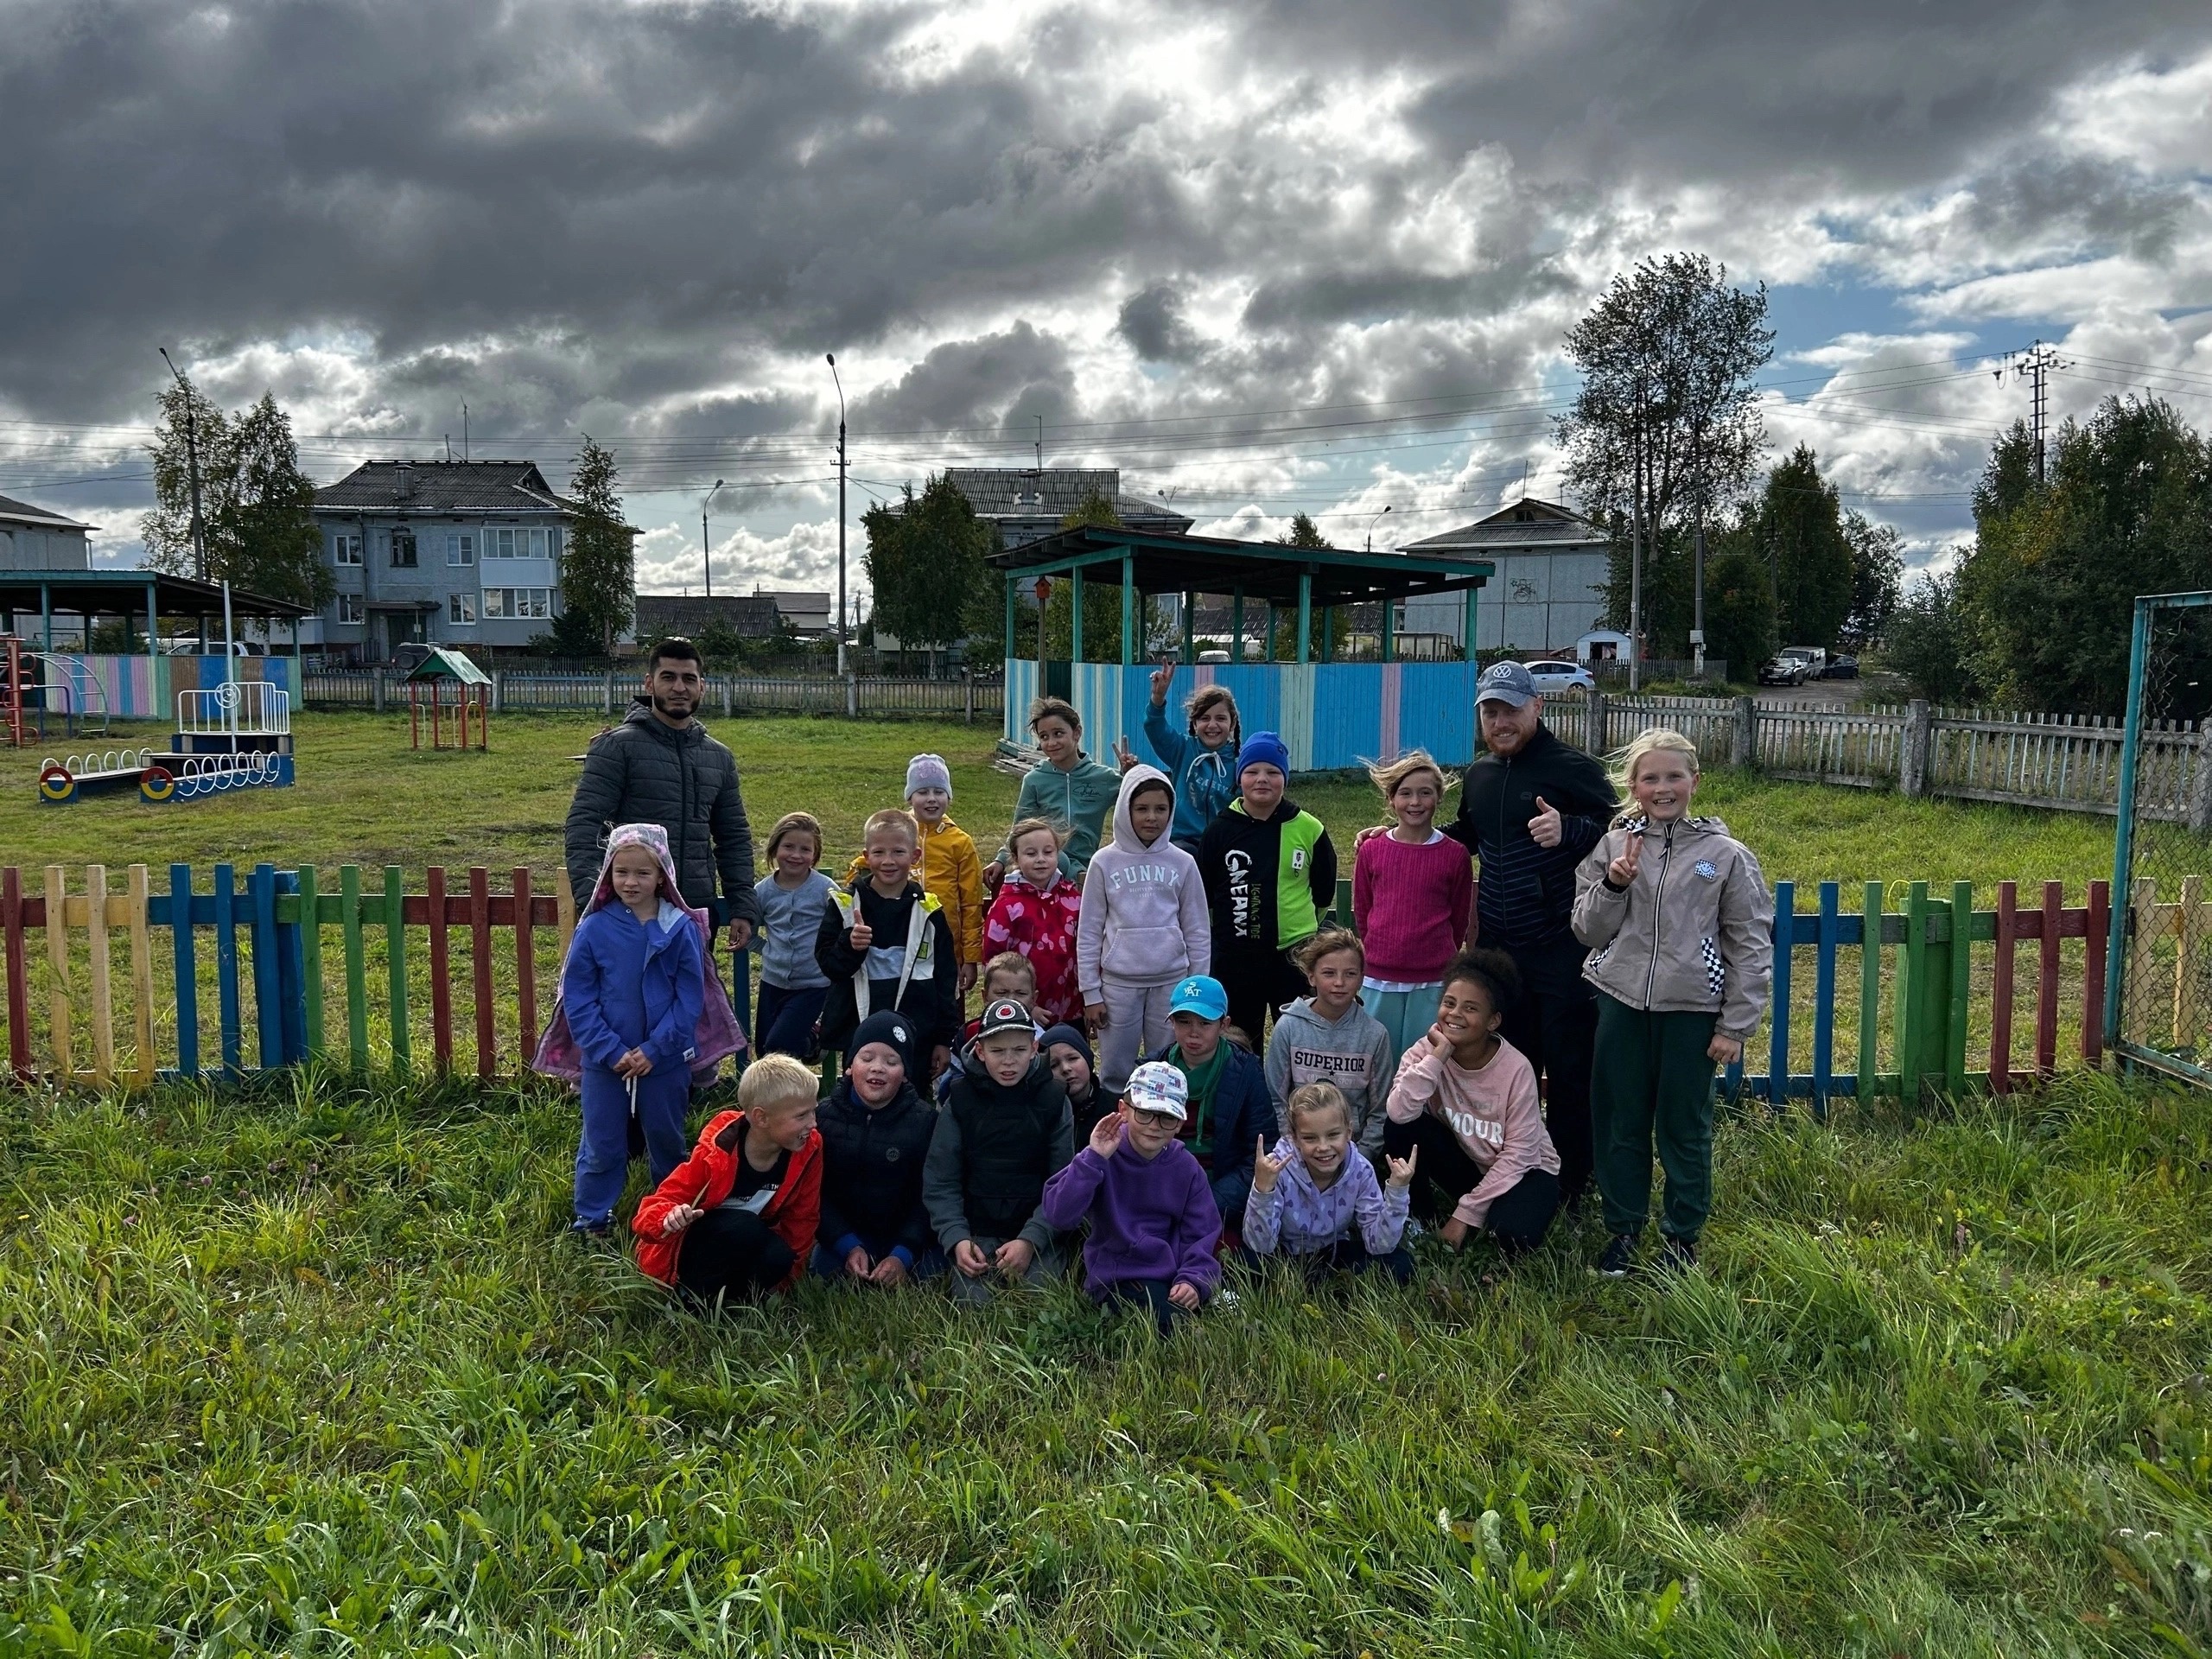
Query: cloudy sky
x=1265, y=257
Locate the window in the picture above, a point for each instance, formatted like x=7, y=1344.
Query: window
x=461, y=548
x=349, y=605
x=402, y=550
x=518, y=602
x=461, y=608
x=346, y=547
x=521, y=543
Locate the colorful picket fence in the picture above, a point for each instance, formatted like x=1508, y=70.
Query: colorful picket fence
x=283, y=966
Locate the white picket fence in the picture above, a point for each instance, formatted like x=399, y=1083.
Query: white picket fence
x=2060, y=763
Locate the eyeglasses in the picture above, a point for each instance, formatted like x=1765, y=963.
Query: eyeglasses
x=1157, y=1119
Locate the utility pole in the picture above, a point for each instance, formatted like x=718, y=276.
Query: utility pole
x=1041, y=452
x=192, y=466
x=1697, y=602
x=1636, y=579
x=840, y=385
x=464, y=432
x=2034, y=366
x=706, y=550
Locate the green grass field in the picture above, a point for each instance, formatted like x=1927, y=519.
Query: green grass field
x=309, y=1371
x=365, y=796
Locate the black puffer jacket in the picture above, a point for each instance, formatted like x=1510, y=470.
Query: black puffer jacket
x=647, y=772
x=872, y=1167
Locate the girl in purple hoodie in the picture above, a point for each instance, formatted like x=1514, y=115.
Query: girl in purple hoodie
x=1144, y=926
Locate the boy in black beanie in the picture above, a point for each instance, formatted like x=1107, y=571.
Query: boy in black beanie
x=1004, y=1132
x=875, y=1137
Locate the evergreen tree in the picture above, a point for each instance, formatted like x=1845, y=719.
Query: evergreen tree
x=1800, y=531
x=599, y=579
x=1927, y=641
x=924, y=563
x=1876, y=580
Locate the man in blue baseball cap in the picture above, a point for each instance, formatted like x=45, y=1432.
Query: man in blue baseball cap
x=1530, y=809
x=1229, y=1104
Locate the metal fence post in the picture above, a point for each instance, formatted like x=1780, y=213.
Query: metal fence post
x=1746, y=744
x=379, y=694
x=1912, y=764
x=968, y=688
x=726, y=697
x=499, y=691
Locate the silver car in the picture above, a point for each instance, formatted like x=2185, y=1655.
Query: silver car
x=1556, y=678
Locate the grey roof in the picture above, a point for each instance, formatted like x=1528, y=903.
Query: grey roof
x=444, y=486
x=999, y=492
x=22, y=512
x=752, y=617
x=1529, y=525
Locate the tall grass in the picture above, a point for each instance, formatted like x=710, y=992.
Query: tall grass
x=309, y=1369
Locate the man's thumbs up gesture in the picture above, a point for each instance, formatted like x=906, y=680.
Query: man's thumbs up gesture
x=1544, y=829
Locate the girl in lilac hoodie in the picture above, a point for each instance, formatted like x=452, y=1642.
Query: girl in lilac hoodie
x=1144, y=926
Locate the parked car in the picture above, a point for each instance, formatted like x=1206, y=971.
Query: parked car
x=1785, y=670
x=1840, y=667
x=1556, y=678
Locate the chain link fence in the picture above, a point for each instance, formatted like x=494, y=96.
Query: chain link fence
x=2159, y=988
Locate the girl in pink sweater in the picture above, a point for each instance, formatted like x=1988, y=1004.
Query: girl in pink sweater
x=1467, y=1099
x=1413, y=891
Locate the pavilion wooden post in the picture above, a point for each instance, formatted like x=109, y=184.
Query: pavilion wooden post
x=1305, y=617
x=1075, y=616
x=1389, y=641
x=1189, y=628
x=1237, y=625
x=1129, y=606
x=1009, y=618
x=1472, y=592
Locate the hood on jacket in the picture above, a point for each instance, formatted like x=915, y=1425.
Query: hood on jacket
x=1303, y=1010
x=1636, y=823
x=641, y=713
x=1125, y=833
x=654, y=840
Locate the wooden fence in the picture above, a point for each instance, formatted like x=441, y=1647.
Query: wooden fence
x=856, y=696
x=2052, y=762
x=1916, y=990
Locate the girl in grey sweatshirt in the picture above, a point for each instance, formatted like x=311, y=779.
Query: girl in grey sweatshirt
x=1144, y=926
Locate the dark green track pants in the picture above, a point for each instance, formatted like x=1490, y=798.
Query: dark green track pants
x=1652, y=1089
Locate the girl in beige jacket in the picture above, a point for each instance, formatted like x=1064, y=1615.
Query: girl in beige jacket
x=1681, y=929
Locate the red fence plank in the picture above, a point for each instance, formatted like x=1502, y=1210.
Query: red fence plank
x=2096, y=927
x=479, y=970
x=434, y=909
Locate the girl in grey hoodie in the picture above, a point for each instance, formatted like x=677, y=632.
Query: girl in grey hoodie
x=1144, y=926
x=1330, y=1037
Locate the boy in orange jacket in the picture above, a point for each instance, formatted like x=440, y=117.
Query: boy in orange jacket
x=735, y=1220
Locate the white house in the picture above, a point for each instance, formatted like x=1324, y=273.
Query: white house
x=1549, y=588
x=31, y=538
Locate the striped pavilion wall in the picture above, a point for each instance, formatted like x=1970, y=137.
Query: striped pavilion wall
x=145, y=688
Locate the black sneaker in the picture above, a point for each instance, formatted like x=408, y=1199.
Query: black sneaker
x=592, y=1232
x=1620, y=1258
x=1677, y=1255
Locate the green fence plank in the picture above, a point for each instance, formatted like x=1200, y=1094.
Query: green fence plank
x=395, y=900
x=311, y=957
x=1870, y=990
x=357, y=983
x=1960, y=987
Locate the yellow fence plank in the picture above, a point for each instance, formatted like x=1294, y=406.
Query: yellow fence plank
x=142, y=979
x=57, y=961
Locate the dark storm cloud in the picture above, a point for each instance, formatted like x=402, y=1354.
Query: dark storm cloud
x=1152, y=321
x=1880, y=95
x=1001, y=383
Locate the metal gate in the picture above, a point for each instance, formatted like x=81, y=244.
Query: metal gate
x=2159, y=983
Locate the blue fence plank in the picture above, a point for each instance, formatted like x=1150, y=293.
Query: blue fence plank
x=226, y=965
x=1824, y=997
x=1785, y=937
x=291, y=977
x=188, y=973
x=267, y=987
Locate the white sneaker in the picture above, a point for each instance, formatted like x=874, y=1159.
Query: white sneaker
x=1226, y=1298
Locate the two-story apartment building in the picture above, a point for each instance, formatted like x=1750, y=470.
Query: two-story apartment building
x=444, y=552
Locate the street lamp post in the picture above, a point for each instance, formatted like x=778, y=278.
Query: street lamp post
x=840, y=385
x=1371, y=523
x=192, y=468
x=706, y=550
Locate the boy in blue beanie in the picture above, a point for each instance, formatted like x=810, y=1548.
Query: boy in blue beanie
x=1270, y=875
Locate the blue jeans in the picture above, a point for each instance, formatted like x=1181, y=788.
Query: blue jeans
x=1407, y=1015
x=785, y=1019
x=828, y=1264
x=603, y=1156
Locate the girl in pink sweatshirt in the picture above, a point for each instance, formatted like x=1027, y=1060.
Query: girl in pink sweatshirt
x=1412, y=891
x=1467, y=1100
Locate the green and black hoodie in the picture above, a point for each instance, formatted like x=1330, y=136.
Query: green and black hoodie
x=1267, y=883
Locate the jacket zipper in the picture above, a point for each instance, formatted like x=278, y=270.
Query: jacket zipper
x=1658, y=905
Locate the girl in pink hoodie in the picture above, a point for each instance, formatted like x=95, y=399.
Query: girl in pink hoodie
x=1466, y=1098
x=1144, y=926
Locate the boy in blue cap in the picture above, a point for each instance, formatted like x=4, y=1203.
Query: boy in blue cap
x=1225, y=1087
x=1270, y=874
